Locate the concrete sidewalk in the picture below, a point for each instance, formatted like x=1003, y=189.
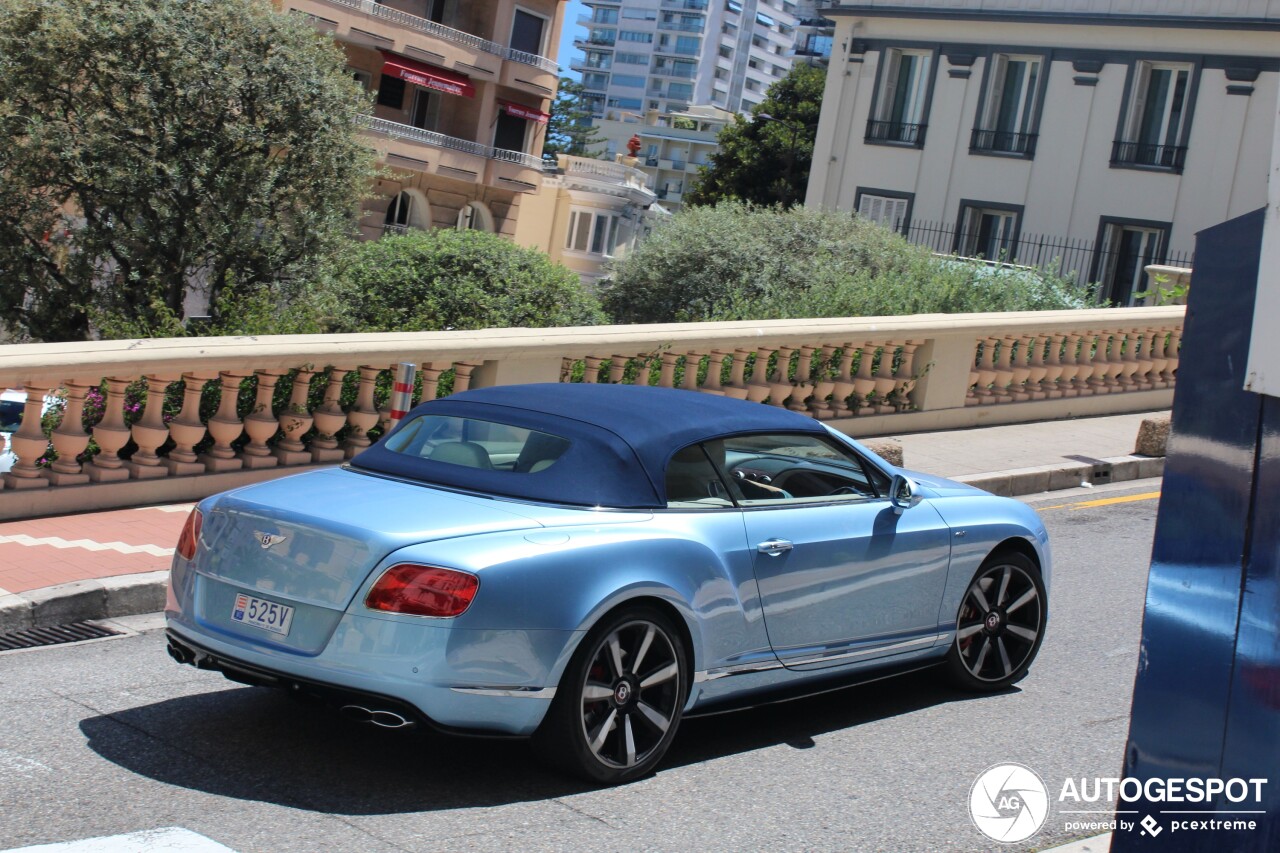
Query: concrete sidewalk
x=96, y=565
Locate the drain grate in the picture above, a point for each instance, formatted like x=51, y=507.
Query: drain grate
x=73, y=633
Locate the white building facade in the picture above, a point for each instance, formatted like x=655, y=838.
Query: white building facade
x=665, y=55
x=1119, y=127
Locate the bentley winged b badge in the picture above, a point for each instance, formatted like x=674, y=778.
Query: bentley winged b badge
x=266, y=540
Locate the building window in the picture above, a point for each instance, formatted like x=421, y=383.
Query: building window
x=593, y=232
x=405, y=212
x=892, y=210
x=726, y=52
x=1010, y=112
x=1154, y=127
x=688, y=45
x=680, y=91
x=1126, y=248
x=632, y=35
x=988, y=230
x=510, y=132
x=595, y=80
x=364, y=78
x=628, y=81
x=527, y=32
x=474, y=216
x=902, y=98
x=426, y=109
x=391, y=92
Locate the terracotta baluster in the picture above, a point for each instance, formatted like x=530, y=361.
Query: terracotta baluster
x=591, y=369
x=150, y=433
x=886, y=378
x=906, y=377
x=261, y=424
x=987, y=373
x=715, y=367
x=758, y=388
x=187, y=430
x=1036, y=368
x=802, y=387
x=362, y=417
x=667, y=374
x=70, y=439
x=780, y=387
x=430, y=381
x=842, y=387
x=1003, y=384
x=737, y=387
x=1053, y=367
x=692, y=363
x=29, y=443
x=329, y=420
x=1020, y=354
x=111, y=435
x=295, y=422
x=618, y=369
x=864, y=384
x=462, y=375
x=824, y=385
x=1172, y=352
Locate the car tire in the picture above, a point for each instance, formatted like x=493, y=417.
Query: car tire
x=619, y=702
x=1000, y=624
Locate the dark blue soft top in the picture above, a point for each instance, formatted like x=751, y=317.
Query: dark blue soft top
x=622, y=437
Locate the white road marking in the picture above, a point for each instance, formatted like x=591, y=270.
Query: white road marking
x=12, y=762
x=170, y=839
x=86, y=544
x=166, y=508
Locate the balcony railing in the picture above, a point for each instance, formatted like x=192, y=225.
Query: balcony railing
x=680, y=26
x=395, y=130
x=681, y=73
x=896, y=132
x=1170, y=157
x=691, y=5
x=517, y=157
x=422, y=25
x=1003, y=142
x=440, y=31
x=862, y=375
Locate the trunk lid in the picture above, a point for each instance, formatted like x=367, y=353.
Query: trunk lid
x=309, y=542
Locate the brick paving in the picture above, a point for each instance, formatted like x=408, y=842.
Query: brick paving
x=44, y=552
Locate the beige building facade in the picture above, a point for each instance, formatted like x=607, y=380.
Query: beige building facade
x=462, y=93
x=1120, y=126
x=588, y=213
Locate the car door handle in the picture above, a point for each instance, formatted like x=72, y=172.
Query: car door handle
x=774, y=547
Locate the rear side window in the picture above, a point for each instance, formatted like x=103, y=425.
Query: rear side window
x=473, y=443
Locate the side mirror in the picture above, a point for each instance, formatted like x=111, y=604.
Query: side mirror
x=903, y=493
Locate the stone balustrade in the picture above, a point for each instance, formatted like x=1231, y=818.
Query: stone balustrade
x=314, y=399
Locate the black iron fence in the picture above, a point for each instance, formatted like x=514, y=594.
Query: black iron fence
x=1171, y=157
x=1080, y=260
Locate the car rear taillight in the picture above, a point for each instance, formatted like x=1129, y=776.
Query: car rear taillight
x=190, y=535
x=423, y=591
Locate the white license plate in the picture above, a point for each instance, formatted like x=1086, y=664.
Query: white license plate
x=267, y=615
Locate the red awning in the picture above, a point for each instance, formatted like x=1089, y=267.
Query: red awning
x=422, y=74
x=521, y=111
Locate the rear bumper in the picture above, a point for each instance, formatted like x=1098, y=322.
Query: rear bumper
x=361, y=683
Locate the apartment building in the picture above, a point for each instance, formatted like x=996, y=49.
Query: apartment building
x=673, y=147
x=815, y=33
x=462, y=94
x=1121, y=125
x=664, y=55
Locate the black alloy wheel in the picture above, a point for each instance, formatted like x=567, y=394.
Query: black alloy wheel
x=1000, y=624
x=618, y=705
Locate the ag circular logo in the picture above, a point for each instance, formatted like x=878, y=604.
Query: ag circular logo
x=1008, y=803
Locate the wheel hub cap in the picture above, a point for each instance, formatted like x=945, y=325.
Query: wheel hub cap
x=993, y=621
x=622, y=693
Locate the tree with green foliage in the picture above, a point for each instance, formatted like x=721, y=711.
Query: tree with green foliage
x=445, y=279
x=569, y=130
x=735, y=261
x=765, y=159
x=154, y=147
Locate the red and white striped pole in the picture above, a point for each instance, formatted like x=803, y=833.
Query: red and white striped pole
x=402, y=391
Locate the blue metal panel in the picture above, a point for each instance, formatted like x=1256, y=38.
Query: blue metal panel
x=1184, y=686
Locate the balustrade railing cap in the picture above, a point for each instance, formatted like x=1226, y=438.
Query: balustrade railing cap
x=54, y=363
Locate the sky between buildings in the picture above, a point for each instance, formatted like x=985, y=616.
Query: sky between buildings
x=571, y=29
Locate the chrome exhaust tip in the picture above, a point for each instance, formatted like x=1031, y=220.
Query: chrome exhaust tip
x=379, y=717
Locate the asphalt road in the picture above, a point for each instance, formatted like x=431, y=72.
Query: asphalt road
x=112, y=737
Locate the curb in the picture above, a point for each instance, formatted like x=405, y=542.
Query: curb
x=1050, y=478
x=104, y=598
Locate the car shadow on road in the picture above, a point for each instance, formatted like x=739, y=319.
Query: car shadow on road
x=259, y=744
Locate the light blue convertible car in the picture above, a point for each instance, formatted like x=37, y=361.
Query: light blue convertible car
x=586, y=564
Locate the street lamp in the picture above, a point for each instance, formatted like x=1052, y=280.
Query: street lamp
x=795, y=128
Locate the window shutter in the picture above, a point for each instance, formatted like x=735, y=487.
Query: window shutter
x=896, y=213
x=893, y=60
x=1138, y=100
x=995, y=92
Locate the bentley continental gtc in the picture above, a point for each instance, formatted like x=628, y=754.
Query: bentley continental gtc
x=585, y=564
